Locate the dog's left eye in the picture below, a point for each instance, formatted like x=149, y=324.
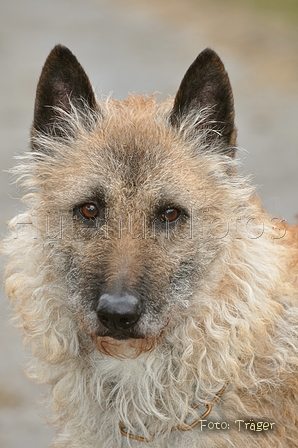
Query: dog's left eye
x=89, y=211
x=171, y=214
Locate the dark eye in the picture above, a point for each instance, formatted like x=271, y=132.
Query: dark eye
x=89, y=211
x=171, y=214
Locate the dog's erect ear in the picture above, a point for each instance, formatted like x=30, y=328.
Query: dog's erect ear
x=62, y=83
x=206, y=85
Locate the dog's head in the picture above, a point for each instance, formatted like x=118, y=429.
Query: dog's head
x=128, y=192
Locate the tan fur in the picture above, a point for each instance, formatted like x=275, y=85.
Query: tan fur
x=226, y=281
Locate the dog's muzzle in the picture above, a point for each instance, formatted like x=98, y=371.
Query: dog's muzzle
x=118, y=313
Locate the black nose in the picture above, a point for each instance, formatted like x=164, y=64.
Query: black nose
x=118, y=312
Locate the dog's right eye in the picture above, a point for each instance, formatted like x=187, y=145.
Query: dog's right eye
x=89, y=211
x=171, y=214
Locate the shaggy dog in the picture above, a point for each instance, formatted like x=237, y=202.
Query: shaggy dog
x=160, y=301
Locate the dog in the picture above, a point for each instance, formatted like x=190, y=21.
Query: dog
x=159, y=299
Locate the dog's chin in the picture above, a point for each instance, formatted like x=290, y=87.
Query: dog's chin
x=129, y=348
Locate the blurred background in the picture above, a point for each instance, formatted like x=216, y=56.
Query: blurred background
x=144, y=46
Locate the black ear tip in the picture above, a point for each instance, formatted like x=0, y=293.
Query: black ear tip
x=209, y=52
x=209, y=56
x=62, y=53
x=60, y=48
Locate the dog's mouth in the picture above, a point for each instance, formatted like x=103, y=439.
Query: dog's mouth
x=123, y=348
x=121, y=334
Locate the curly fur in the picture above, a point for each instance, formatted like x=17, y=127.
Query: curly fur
x=233, y=319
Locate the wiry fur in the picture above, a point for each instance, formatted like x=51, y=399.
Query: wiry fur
x=230, y=291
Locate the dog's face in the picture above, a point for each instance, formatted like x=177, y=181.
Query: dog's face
x=128, y=192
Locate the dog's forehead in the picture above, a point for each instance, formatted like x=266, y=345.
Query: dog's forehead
x=136, y=131
x=134, y=146
x=132, y=152
x=133, y=167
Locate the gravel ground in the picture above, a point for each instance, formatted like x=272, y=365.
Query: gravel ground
x=142, y=46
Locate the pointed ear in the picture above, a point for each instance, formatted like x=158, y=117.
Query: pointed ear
x=206, y=85
x=62, y=83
